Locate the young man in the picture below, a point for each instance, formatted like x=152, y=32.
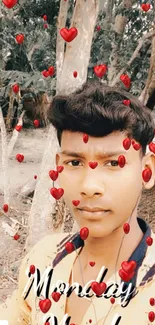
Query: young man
x=103, y=133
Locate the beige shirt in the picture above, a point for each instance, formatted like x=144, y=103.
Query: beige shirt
x=22, y=312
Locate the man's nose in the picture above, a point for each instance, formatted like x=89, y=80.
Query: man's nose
x=91, y=184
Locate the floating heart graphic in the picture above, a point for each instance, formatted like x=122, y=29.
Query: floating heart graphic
x=126, y=228
x=84, y=232
x=152, y=147
x=36, y=123
x=32, y=269
x=60, y=169
x=152, y=301
x=45, y=305
x=121, y=161
x=100, y=70
x=75, y=74
x=76, y=202
x=45, y=73
x=98, y=288
x=127, y=143
x=57, y=193
x=112, y=300
x=91, y=263
x=125, y=276
x=147, y=174
x=129, y=267
x=85, y=138
x=136, y=146
x=56, y=296
x=53, y=174
x=126, y=102
x=18, y=128
x=68, y=34
x=69, y=247
x=20, y=38
x=9, y=3
x=45, y=17
x=151, y=316
x=93, y=165
x=35, y=176
x=15, y=88
x=20, y=157
x=5, y=208
x=146, y=6
x=149, y=241
x=98, y=28
x=51, y=71
x=126, y=80
x=16, y=237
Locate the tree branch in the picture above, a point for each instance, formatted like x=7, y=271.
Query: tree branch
x=4, y=158
x=142, y=40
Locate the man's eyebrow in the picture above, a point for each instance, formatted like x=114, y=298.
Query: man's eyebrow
x=99, y=155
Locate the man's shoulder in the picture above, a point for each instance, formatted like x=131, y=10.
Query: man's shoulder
x=48, y=246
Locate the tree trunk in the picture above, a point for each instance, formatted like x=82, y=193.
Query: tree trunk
x=77, y=53
x=150, y=83
x=76, y=58
x=119, y=28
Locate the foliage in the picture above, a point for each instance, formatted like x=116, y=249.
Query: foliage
x=38, y=50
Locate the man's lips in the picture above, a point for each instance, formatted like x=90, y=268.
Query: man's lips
x=96, y=209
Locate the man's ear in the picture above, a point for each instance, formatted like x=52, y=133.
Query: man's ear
x=57, y=159
x=149, y=162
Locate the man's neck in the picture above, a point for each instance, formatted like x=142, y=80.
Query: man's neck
x=104, y=251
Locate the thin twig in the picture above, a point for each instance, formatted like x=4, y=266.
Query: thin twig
x=142, y=40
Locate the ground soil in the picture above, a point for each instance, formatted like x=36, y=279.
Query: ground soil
x=31, y=143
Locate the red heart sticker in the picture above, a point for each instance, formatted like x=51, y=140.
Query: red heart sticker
x=53, y=174
x=91, y=263
x=20, y=157
x=126, y=102
x=146, y=6
x=125, y=276
x=45, y=305
x=126, y=80
x=10, y=3
x=20, y=38
x=68, y=34
x=127, y=143
x=98, y=288
x=60, y=169
x=18, y=128
x=57, y=193
x=85, y=138
x=69, y=247
x=76, y=202
x=121, y=161
x=93, y=165
x=100, y=70
x=152, y=147
x=84, y=232
x=128, y=267
x=56, y=296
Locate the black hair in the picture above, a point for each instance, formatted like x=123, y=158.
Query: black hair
x=98, y=110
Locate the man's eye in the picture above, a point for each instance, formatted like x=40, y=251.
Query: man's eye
x=113, y=162
x=75, y=162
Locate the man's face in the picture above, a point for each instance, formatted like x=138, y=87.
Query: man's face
x=108, y=186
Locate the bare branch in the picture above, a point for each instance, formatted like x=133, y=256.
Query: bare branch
x=4, y=158
x=15, y=135
x=142, y=40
